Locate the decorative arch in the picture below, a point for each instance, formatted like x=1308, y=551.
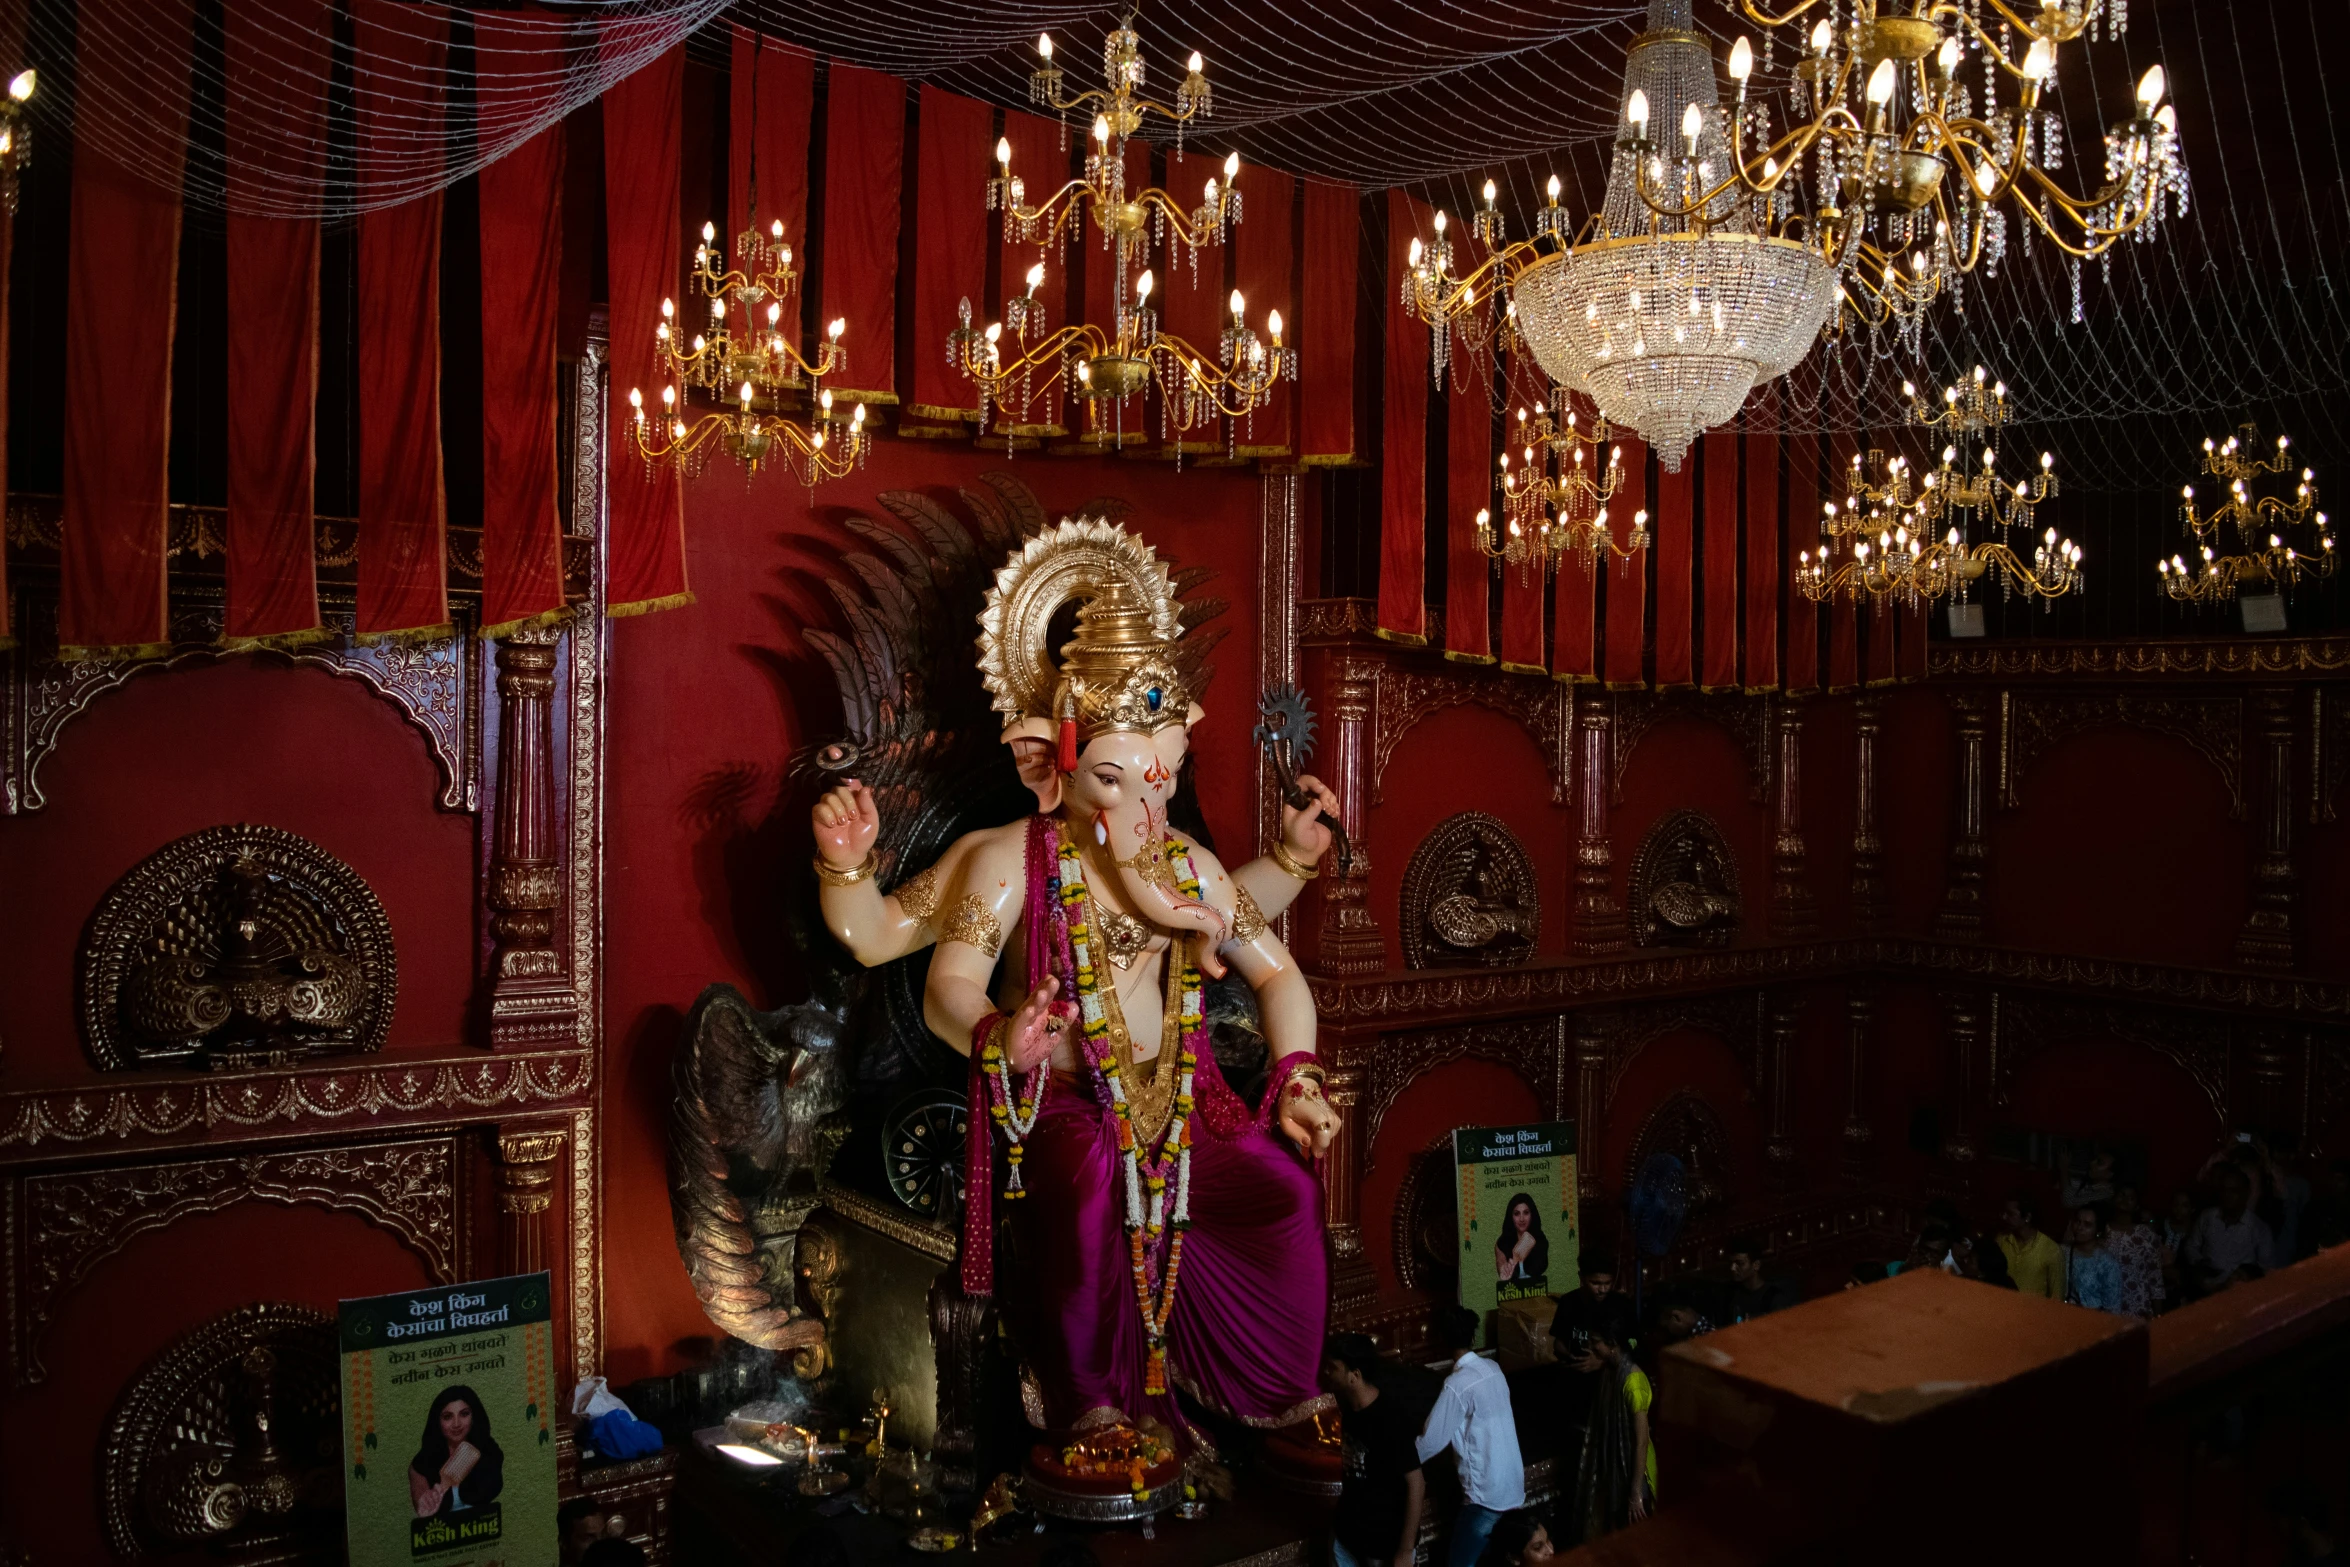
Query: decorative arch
x=1731, y=1020
x=1427, y=1222
x=1684, y=1125
x=2033, y=722
x=1745, y=719
x=1534, y=1049
x=1405, y=696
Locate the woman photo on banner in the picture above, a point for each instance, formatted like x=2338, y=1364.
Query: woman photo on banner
x=1521, y=1254
x=458, y=1465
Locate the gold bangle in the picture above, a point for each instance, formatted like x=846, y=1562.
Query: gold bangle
x=1289, y=862
x=1310, y=1072
x=831, y=877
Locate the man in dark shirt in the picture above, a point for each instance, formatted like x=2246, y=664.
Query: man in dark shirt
x=1380, y=1496
x=1754, y=1293
x=1593, y=1303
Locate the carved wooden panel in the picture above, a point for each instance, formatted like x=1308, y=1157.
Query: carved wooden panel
x=1747, y=718
x=1688, y=1128
x=1729, y=1018
x=1470, y=896
x=2257, y=656
x=436, y=686
x=1427, y=1237
x=2211, y=725
x=1407, y=694
x=1534, y=1048
x=73, y=1222
x=2329, y=750
x=1684, y=889
x=2026, y=1023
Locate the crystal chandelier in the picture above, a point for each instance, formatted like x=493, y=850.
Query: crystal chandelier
x=2280, y=563
x=1023, y=356
x=1555, y=502
x=1720, y=253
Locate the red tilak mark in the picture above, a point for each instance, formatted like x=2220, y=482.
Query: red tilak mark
x=1156, y=773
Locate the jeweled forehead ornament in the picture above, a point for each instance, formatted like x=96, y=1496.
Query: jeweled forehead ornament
x=1118, y=673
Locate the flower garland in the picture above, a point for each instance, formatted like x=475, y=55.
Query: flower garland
x=1146, y=1170
x=1015, y=1112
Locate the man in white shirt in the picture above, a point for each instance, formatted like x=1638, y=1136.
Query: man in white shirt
x=1472, y=1417
x=2230, y=1235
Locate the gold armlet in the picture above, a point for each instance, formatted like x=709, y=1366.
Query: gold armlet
x=1290, y=863
x=826, y=874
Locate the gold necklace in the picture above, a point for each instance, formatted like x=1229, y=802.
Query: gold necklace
x=1150, y=1085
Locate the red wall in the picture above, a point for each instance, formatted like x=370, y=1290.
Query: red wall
x=708, y=704
x=1459, y=1093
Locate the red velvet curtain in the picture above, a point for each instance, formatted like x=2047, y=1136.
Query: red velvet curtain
x=1627, y=576
x=1521, y=589
x=1325, y=333
x=1403, y=464
x=1763, y=520
x=646, y=509
x=1843, y=612
x=1720, y=664
x=1264, y=261
x=1801, y=520
x=1190, y=297
x=276, y=56
x=1124, y=424
x=864, y=164
x=771, y=106
x=1575, y=649
x=1040, y=157
x=121, y=292
x=399, y=52
x=1468, y=489
x=952, y=164
x=1676, y=545
x=521, y=282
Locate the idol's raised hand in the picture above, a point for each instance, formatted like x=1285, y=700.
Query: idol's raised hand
x=846, y=823
x=1303, y=828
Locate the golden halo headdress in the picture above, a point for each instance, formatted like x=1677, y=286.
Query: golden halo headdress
x=1118, y=673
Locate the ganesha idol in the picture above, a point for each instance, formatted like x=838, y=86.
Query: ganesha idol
x=1161, y=1233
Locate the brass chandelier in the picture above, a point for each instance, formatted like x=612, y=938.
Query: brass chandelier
x=16, y=134
x=1556, y=500
x=1889, y=526
x=1721, y=251
x=1024, y=356
x=2280, y=563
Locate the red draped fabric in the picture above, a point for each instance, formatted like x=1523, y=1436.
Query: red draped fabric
x=1843, y=612
x=1468, y=489
x=121, y=291
x=276, y=56
x=864, y=166
x=771, y=107
x=645, y=506
x=1800, y=520
x=1123, y=425
x=1040, y=158
x=1326, y=326
x=1521, y=590
x=399, y=53
x=1676, y=543
x=1264, y=256
x=1719, y=671
x=1763, y=527
x=1403, y=463
x=1910, y=663
x=1191, y=291
x=521, y=277
x=951, y=169
x=1627, y=576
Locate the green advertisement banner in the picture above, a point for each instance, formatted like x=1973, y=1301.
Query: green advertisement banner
x=448, y=1395
x=1515, y=1197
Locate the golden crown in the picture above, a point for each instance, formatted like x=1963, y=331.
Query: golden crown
x=1119, y=671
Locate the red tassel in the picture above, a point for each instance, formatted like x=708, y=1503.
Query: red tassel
x=1068, y=745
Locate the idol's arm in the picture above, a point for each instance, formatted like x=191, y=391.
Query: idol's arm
x=876, y=928
x=1285, y=1006
x=1305, y=838
x=971, y=931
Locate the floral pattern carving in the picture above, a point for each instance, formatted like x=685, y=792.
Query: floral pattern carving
x=1406, y=695
x=2212, y=726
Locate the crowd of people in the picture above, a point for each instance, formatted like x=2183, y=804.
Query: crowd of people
x=2100, y=1250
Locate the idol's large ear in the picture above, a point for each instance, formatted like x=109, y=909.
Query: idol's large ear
x=1033, y=748
x=1193, y=715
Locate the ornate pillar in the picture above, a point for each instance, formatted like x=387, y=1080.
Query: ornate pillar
x=1860, y=1016
x=1353, y=1287
x=1961, y=915
x=1599, y=919
x=1794, y=912
x=1786, y=1017
x=1868, y=848
x=1963, y=1024
x=1350, y=942
x=526, y=1190
x=531, y=999
x=1590, y=1049
x=2270, y=938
